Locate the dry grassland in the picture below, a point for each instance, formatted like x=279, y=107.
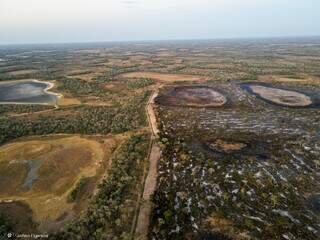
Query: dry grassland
x=302, y=80
x=164, y=77
x=21, y=72
x=64, y=160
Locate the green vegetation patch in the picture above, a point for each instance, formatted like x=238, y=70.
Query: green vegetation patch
x=140, y=83
x=82, y=120
x=19, y=109
x=79, y=87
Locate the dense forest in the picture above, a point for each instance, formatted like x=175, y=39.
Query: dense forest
x=81, y=119
x=19, y=109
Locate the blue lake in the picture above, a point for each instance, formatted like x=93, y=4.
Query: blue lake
x=26, y=92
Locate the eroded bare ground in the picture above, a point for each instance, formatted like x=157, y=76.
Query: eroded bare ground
x=247, y=170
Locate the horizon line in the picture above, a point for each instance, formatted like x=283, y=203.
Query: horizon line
x=162, y=40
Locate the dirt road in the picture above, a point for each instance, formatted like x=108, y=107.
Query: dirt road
x=150, y=185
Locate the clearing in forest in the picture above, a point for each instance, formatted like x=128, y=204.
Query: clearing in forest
x=164, y=76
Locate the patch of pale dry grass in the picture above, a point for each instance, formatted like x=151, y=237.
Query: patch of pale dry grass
x=284, y=79
x=64, y=160
x=21, y=72
x=164, y=76
x=66, y=101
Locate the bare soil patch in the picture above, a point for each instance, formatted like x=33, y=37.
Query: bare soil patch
x=118, y=63
x=141, y=60
x=98, y=103
x=220, y=145
x=21, y=72
x=78, y=72
x=66, y=101
x=164, y=77
x=284, y=79
x=86, y=75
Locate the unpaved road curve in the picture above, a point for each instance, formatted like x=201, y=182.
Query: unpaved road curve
x=151, y=179
x=151, y=115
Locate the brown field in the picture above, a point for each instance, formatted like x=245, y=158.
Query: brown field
x=98, y=103
x=284, y=79
x=116, y=87
x=85, y=74
x=226, y=146
x=164, y=77
x=78, y=72
x=63, y=161
x=21, y=72
x=118, y=62
x=140, y=59
x=66, y=101
x=165, y=53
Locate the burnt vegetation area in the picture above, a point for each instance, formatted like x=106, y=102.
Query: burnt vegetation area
x=247, y=169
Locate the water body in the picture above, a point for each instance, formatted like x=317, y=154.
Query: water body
x=27, y=92
x=32, y=176
x=279, y=96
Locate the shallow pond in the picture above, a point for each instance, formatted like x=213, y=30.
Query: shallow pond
x=279, y=96
x=32, y=176
x=27, y=92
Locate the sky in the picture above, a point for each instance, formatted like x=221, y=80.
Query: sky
x=55, y=21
